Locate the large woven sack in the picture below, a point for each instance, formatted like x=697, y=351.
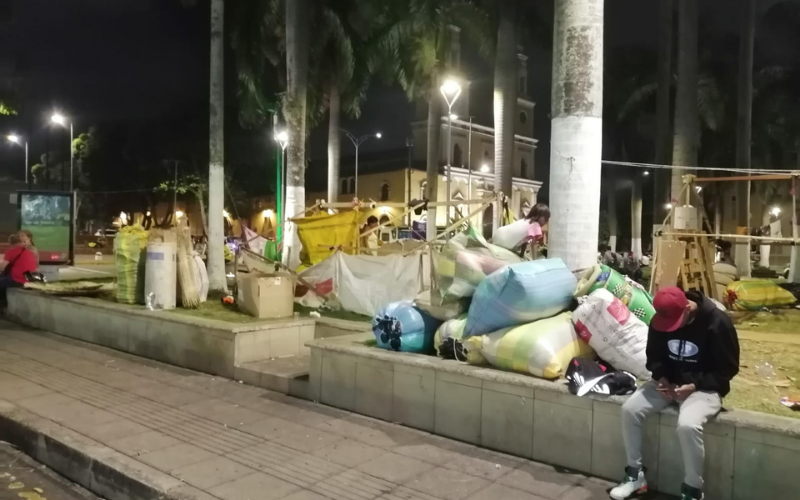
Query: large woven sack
x=724, y=279
x=465, y=261
x=632, y=294
x=448, y=337
x=401, y=326
x=519, y=294
x=753, y=295
x=723, y=268
x=618, y=337
x=130, y=249
x=543, y=348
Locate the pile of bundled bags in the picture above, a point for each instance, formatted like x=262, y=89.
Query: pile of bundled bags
x=749, y=294
x=532, y=317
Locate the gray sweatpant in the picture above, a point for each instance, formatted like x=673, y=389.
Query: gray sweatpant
x=694, y=412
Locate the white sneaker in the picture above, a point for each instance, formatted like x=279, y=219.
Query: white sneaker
x=630, y=488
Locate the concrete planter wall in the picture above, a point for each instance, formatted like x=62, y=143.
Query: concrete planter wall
x=748, y=455
x=209, y=346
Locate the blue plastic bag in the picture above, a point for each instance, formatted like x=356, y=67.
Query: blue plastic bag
x=519, y=294
x=401, y=326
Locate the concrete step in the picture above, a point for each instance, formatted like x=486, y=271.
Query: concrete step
x=285, y=375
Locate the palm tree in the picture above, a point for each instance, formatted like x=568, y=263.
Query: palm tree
x=686, y=135
x=577, y=118
x=417, y=44
x=505, y=94
x=294, y=111
x=216, y=151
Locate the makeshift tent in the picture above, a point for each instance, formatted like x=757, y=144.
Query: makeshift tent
x=321, y=234
x=364, y=283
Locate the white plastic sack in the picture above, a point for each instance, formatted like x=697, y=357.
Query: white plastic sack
x=202, y=277
x=618, y=337
x=364, y=284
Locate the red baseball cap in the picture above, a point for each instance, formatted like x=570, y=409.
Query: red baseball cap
x=670, y=305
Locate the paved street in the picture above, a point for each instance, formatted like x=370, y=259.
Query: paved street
x=22, y=477
x=218, y=439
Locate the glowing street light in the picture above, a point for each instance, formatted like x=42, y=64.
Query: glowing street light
x=776, y=211
x=20, y=142
x=646, y=173
x=450, y=90
x=282, y=138
x=178, y=214
x=668, y=206
x=484, y=168
x=357, y=141
x=62, y=120
x=453, y=116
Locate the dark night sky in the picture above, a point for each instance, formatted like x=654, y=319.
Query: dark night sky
x=120, y=60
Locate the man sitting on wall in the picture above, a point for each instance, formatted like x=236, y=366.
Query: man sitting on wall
x=693, y=353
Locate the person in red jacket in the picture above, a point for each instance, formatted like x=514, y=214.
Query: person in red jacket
x=17, y=261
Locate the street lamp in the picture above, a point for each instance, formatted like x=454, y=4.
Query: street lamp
x=19, y=141
x=62, y=120
x=450, y=90
x=357, y=141
x=484, y=168
x=282, y=138
x=776, y=211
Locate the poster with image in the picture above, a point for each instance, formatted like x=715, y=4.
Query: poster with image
x=48, y=216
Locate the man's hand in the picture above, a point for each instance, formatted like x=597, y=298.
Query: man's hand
x=684, y=391
x=665, y=388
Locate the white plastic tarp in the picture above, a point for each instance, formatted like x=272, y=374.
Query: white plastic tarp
x=364, y=284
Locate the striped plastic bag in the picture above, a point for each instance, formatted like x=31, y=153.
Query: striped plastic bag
x=519, y=294
x=543, y=348
x=130, y=245
x=753, y=295
x=635, y=298
x=465, y=261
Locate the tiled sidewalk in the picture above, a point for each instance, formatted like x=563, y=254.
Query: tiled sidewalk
x=223, y=440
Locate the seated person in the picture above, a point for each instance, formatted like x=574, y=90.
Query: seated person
x=18, y=260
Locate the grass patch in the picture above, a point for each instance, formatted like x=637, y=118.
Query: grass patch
x=751, y=391
x=344, y=315
x=776, y=321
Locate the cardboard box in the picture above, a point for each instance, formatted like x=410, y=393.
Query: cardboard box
x=266, y=295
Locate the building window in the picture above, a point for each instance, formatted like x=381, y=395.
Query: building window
x=457, y=156
x=523, y=117
x=523, y=168
x=385, y=191
x=344, y=187
x=522, y=88
x=423, y=188
x=384, y=220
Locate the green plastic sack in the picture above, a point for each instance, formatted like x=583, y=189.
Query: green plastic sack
x=130, y=248
x=271, y=251
x=755, y=295
x=635, y=298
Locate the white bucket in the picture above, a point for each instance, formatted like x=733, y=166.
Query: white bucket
x=685, y=218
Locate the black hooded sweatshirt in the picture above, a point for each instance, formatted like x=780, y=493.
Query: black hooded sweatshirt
x=704, y=353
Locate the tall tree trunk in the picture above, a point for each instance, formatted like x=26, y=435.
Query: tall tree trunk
x=216, y=151
x=432, y=162
x=613, y=223
x=686, y=136
x=661, y=178
x=203, y=214
x=506, y=87
x=744, y=131
x=636, y=217
x=334, y=145
x=794, y=262
x=577, y=131
x=297, y=45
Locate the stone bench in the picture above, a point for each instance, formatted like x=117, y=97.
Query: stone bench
x=749, y=455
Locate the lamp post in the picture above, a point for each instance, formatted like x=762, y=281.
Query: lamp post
x=450, y=90
x=60, y=119
x=19, y=141
x=281, y=138
x=357, y=141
